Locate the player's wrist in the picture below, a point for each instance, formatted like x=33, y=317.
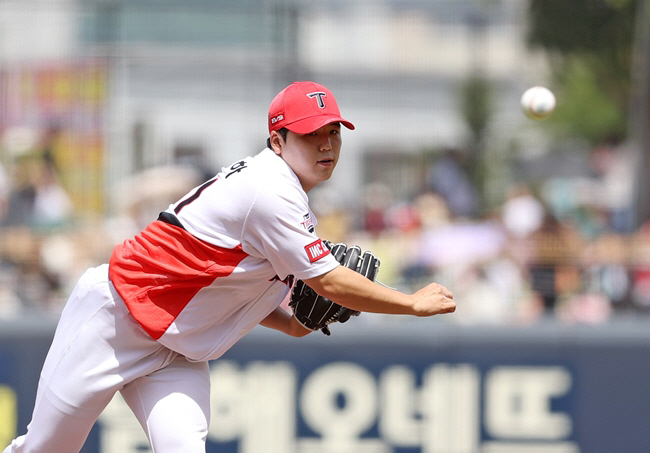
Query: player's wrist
x=298, y=329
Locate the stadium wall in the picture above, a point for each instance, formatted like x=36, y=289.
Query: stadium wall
x=413, y=387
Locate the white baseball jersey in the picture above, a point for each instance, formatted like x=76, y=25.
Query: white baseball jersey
x=222, y=259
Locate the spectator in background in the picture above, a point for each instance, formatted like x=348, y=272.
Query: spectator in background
x=555, y=253
x=522, y=213
x=448, y=178
x=52, y=206
x=37, y=198
x=22, y=192
x=377, y=199
x=613, y=167
x=5, y=189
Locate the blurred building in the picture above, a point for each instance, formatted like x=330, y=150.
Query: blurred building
x=189, y=82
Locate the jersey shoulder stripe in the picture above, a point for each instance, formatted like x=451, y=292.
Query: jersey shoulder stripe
x=159, y=271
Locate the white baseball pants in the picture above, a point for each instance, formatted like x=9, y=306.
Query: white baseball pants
x=99, y=349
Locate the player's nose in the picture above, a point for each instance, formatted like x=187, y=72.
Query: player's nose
x=325, y=143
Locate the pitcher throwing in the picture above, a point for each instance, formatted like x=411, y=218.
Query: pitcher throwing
x=213, y=265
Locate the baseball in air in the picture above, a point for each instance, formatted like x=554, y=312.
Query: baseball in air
x=538, y=102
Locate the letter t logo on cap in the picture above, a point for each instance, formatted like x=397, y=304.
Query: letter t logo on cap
x=320, y=96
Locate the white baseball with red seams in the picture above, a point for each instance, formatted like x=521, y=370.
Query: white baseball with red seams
x=538, y=102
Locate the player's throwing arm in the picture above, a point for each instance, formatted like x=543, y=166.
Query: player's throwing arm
x=350, y=289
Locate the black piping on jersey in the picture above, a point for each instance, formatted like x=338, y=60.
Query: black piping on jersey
x=194, y=196
x=170, y=218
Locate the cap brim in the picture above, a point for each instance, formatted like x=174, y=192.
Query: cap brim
x=308, y=125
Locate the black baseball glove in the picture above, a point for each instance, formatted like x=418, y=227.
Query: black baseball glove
x=315, y=312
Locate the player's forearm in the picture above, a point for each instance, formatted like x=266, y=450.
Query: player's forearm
x=281, y=320
x=352, y=290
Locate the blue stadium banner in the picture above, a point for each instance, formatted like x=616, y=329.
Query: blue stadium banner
x=417, y=387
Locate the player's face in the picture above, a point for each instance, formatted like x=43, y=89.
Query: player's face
x=312, y=156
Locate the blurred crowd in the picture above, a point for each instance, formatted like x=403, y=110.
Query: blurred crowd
x=33, y=206
x=46, y=242
x=565, y=248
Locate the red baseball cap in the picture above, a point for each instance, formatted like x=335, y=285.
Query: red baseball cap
x=303, y=107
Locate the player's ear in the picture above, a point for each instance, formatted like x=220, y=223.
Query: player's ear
x=277, y=142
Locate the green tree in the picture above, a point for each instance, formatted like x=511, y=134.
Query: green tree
x=476, y=108
x=590, y=46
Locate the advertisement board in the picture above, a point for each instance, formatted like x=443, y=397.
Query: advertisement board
x=418, y=387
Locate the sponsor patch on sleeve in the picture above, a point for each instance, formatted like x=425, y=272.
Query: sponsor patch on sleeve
x=316, y=250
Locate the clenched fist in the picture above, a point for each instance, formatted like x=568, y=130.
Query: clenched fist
x=433, y=299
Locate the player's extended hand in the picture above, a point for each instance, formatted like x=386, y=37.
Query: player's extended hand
x=433, y=299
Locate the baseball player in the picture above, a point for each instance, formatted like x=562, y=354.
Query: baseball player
x=213, y=265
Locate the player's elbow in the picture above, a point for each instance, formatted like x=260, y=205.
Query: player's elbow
x=328, y=284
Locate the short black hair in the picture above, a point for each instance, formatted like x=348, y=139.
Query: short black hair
x=283, y=133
